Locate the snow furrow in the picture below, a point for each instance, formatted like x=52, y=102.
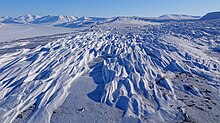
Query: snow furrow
x=132, y=72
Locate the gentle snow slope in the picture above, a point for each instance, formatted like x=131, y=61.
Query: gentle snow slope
x=178, y=17
x=211, y=16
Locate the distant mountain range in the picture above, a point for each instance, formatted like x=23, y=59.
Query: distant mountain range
x=74, y=21
x=60, y=20
x=36, y=19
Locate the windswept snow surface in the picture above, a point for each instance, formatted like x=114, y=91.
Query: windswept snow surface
x=152, y=73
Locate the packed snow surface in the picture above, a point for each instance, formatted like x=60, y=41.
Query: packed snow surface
x=144, y=72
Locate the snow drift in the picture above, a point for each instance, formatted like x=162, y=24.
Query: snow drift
x=133, y=67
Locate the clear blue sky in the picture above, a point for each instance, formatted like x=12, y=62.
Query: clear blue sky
x=107, y=8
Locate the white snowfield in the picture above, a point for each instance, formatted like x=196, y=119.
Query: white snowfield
x=117, y=72
x=9, y=32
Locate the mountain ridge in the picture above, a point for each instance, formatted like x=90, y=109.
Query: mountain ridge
x=36, y=19
x=75, y=21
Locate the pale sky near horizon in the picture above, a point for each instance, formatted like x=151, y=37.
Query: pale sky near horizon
x=108, y=8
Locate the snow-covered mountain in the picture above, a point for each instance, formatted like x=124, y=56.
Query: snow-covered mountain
x=50, y=19
x=73, y=21
x=211, y=16
x=3, y=18
x=21, y=19
x=178, y=17
x=77, y=22
x=61, y=20
x=115, y=72
x=163, y=18
x=26, y=18
x=36, y=19
x=84, y=22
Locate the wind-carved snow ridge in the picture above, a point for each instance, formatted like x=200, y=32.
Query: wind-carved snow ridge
x=132, y=67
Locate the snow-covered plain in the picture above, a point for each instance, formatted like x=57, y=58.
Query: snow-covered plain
x=9, y=32
x=124, y=70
